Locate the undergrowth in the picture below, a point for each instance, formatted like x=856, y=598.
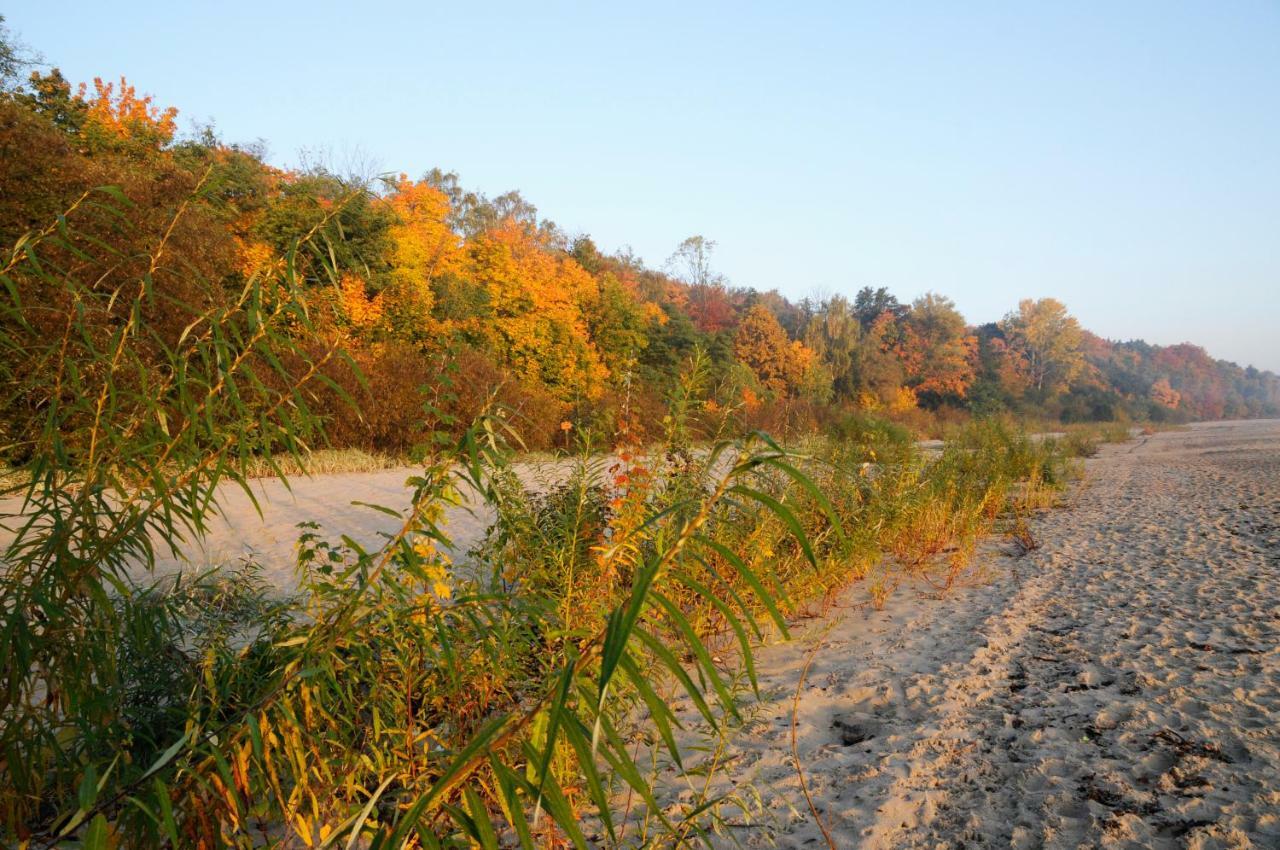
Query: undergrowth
x=520, y=697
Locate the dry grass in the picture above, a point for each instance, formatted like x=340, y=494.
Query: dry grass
x=325, y=462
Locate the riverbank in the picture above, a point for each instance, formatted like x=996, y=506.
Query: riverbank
x=1118, y=686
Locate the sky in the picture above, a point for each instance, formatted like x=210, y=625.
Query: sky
x=1121, y=157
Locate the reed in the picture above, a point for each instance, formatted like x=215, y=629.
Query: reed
x=519, y=698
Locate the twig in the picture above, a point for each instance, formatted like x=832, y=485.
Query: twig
x=795, y=754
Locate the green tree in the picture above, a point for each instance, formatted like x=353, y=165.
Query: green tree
x=617, y=325
x=49, y=95
x=870, y=304
x=348, y=223
x=834, y=333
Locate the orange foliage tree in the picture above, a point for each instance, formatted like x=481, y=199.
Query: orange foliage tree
x=535, y=300
x=763, y=347
x=939, y=352
x=119, y=117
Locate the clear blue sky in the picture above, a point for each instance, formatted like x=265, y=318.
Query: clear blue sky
x=1123, y=157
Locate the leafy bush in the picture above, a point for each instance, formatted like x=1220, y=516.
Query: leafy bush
x=399, y=697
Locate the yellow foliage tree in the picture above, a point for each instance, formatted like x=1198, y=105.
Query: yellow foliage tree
x=1049, y=340
x=424, y=248
x=902, y=399
x=535, y=299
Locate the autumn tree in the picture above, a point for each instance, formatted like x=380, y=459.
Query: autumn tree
x=423, y=248
x=535, y=300
x=939, y=351
x=1000, y=378
x=1048, y=340
x=420, y=273
x=763, y=347
x=117, y=117
x=708, y=299
x=1164, y=395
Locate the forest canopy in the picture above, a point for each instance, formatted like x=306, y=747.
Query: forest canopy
x=448, y=298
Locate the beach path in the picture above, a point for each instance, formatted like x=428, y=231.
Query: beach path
x=1117, y=687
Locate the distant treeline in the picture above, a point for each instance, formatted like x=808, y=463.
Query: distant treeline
x=444, y=297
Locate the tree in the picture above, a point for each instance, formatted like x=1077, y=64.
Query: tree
x=881, y=364
x=1048, y=340
x=709, y=305
x=618, y=324
x=424, y=248
x=13, y=58
x=762, y=346
x=49, y=95
x=537, y=298
x=870, y=304
x=472, y=213
x=834, y=334
x=119, y=119
x=353, y=226
x=1165, y=395
x=691, y=262
x=940, y=352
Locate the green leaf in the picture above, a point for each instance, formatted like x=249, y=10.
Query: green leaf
x=735, y=624
x=560, y=811
x=577, y=736
x=623, y=621
x=659, y=711
x=515, y=808
x=699, y=649
x=812, y=489
x=479, y=743
x=380, y=509
x=750, y=578
x=554, y=712
x=659, y=649
x=95, y=835
x=88, y=788
x=784, y=513
x=484, y=833
x=166, y=812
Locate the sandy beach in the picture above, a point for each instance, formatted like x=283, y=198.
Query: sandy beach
x=265, y=528
x=1117, y=687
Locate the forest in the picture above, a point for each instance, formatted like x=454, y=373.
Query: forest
x=446, y=297
x=178, y=316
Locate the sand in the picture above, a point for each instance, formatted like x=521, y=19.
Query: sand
x=1117, y=687
x=265, y=528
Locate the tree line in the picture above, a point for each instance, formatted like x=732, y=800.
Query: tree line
x=444, y=298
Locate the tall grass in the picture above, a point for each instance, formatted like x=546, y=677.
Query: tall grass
x=522, y=698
